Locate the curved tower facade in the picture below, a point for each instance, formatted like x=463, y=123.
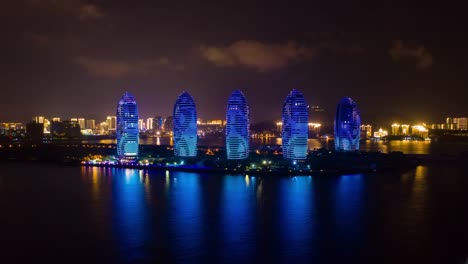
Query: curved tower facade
x=347, y=125
x=295, y=126
x=127, y=128
x=185, y=126
x=237, y=126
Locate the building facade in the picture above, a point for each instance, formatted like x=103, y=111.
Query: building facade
x=127, y=128
x=295, y=126
x=185, y=126
x=347, y=125
x=237, y=127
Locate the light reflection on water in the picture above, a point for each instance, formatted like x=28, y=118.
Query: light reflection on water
x=297, y=218
x=133, y=216
x=186, y=213
x=283, y=214
x=130, y=213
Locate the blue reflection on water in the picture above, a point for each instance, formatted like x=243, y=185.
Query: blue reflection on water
x=186, y=214
x=349, y=202
x=130, y=212
x=238, y=217
x=297, y=216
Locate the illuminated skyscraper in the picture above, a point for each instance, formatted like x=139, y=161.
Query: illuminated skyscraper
x=127, y=127
x=141, y=125
x=149, y=123
x=81, y=122
x=90, y=124
x=295, y=126
x=39, y=119
x=237, y=126
x=111, y=123
x=347, y=125
x=185, y=126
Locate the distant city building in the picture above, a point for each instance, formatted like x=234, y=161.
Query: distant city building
x=295, y=126
x=127, y=128
x=317, y=114
x=102, y=128
x=279, y=127
x=141, y=125
x=419, y=130
x=347, y=125
x=111, y=123
x=460, y=123
x=168, y=126
x=66, y=129
x=452, y=123
x=400, y=130
x=158, y=123
x=90, y=124
x=449, y=123
x=314, y=130
x=149, y=123
x=82, y=123
x=38, y=119
x=55, y=119
x=210, y=126
x=12, y=129
x=46, y=126
x=366, y=131
x=185, y=126
x=35, y=131
x=380, y=133
x=237, y=126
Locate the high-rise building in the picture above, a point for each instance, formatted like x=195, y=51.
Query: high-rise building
x=82, y=123
x=449, y=123
x=127, y=128
x=46, y=126
x=149, y=123
x=35, y=131
x=295, y=126
x=141, y=125
x=39, y=119
x=111, y=123
x=462, y=123
x=237, y=126
x=168, y=126
x=185, y=126
x=90, y=124
x=400, y=129
x=158, y=123
x=347, y=125
x=366, y=131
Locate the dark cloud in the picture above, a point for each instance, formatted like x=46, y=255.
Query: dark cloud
x=257, y=55
x=38, y=39
x=76, y=8
x=109, y=68
x=420, y=55
x=89, y=11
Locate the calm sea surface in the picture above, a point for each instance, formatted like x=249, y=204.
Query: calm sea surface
x=95, y=215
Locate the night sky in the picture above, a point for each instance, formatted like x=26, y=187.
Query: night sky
x=75, y=58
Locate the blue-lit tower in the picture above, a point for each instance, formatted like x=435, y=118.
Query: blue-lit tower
x=295, y=126
x=237, y=127
x=127, y=128
x=185, y=126
x=347, y=125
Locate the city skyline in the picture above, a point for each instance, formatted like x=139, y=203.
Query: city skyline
x=68, y=59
